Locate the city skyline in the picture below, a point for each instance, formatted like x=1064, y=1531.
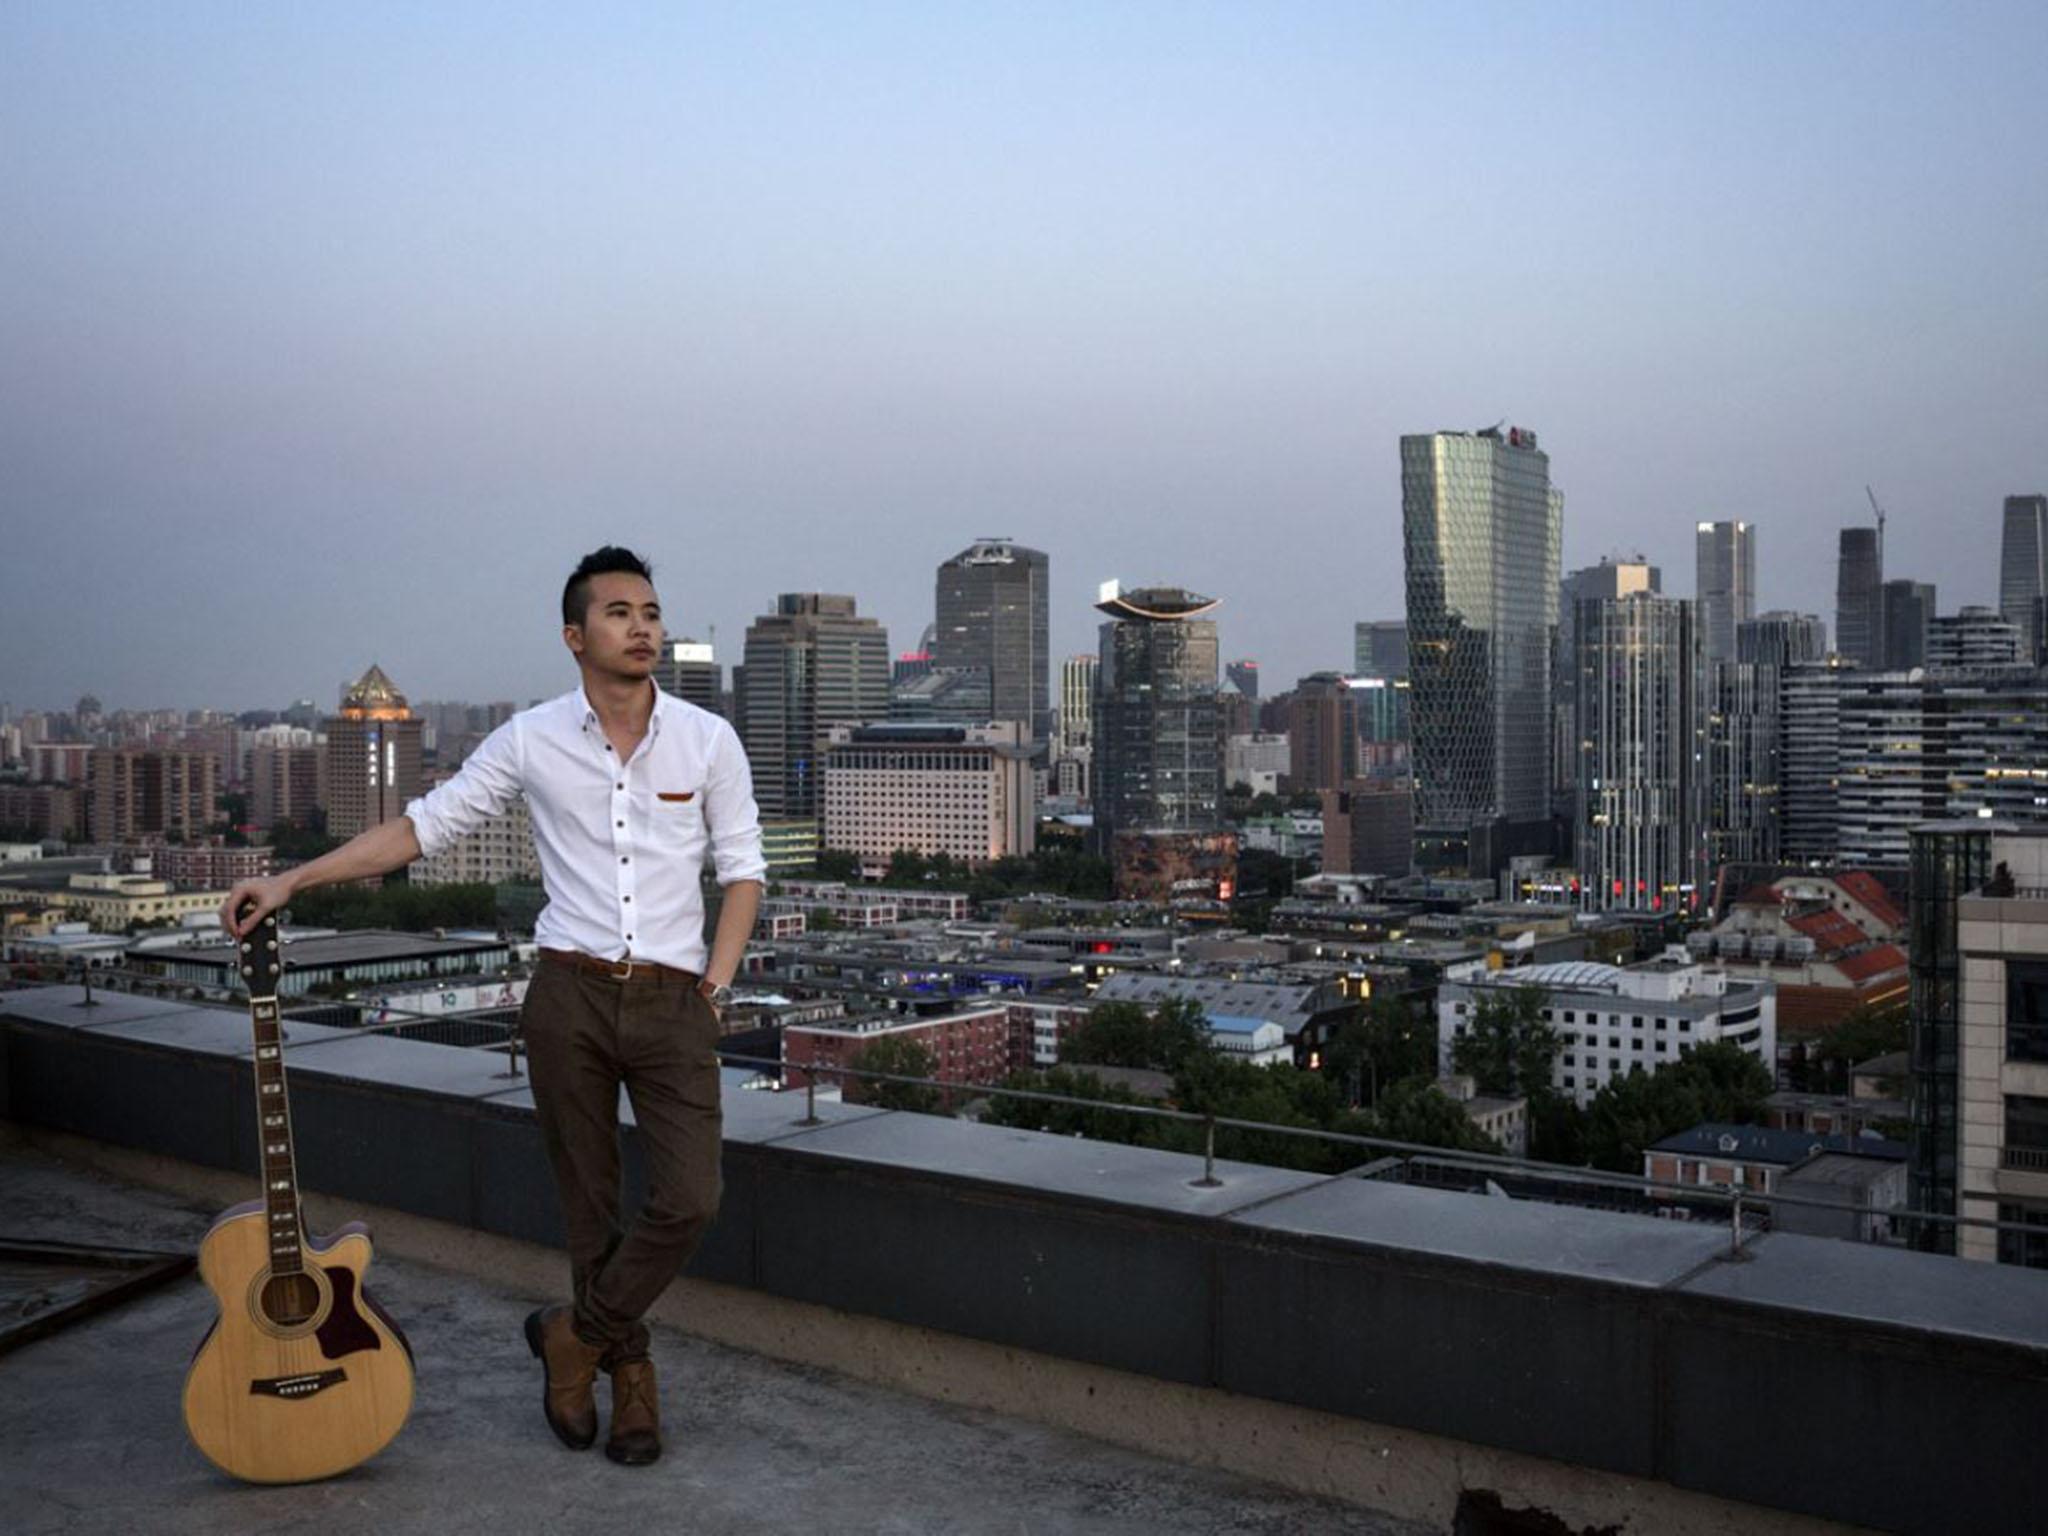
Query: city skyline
x=336, y=338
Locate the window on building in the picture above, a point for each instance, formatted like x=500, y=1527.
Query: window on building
x=2026, y=1010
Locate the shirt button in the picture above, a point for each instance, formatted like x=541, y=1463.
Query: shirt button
x=624, y=860
x=620, y=824
x=625, y=898
x=620, y=785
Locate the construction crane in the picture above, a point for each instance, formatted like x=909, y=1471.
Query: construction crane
x=1880, y=524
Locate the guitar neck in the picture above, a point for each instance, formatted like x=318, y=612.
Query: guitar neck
x=274, y=1139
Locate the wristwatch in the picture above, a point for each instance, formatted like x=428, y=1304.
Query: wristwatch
x=716, y=994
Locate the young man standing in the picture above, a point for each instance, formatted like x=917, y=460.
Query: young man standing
x=629, y=790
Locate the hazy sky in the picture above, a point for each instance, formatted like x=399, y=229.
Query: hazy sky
x=331, y=334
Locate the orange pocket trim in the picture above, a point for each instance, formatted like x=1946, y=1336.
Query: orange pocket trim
x=675, y=797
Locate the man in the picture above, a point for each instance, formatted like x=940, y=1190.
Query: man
x=629, y=789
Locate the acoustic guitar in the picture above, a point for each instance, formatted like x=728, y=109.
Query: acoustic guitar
x=302, y=1376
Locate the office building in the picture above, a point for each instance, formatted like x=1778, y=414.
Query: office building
x=1242, y=677
x=1908, y=610
x=1158, y=759
x=284, y=785
x=373, y=757
x=992, y=605
x=691, y=671
x=1640, y=823
x=1611, y=578
x=1975, y=637
x=1859, y=598
x=1781, y=638
x=962, y=791
x=1074, y=729
x=1369, y=828
x=810, y=665
x=1380, y=648
x=1612, y=1021
x=2023, y=563
x=1725, y=581
x=1482, y=529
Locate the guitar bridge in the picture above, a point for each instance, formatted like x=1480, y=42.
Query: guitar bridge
x=297, y=1386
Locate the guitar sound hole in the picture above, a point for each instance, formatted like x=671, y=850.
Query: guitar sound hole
x=290, y=1300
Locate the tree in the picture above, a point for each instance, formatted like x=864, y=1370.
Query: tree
x=898, y=1057
x=1860, y=1035
x=1416, y=1110
x=837, y=864
x=1720, y=1084
x=1391, y=1039
x=1125, y=1035
x=1507, y=1048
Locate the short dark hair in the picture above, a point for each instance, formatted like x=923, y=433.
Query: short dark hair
x=576, y=593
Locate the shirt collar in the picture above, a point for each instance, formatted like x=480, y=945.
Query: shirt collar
x=661, y=706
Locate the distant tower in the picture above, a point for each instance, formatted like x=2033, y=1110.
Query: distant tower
x=1725, y=576
x=1158, y=761
x=1482, y=528
x=812, y=664
x=373, y=756
x=993, y=607
x=1859, y=598
x=2023, y=565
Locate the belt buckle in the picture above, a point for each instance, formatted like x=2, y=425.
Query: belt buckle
x=625, y=974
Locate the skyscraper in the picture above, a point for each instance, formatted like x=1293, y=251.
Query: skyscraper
x=1380, y=648
x=992, y=606
x=1641, y=841
x=1975, y=637
x=1859, y=598
x=1157, y=760
x=1322, y=733
x=1725, y=576
x=1908, y=608
x=373, y=757
x=1810, y=759
x=812, y=664
x=2023, y=562
x=1482, y=528
x=1780, y=638
x=1609, y=579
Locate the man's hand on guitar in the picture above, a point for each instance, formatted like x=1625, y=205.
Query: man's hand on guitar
x=251, y=901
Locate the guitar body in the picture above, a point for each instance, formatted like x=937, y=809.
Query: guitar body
x=303, y=1376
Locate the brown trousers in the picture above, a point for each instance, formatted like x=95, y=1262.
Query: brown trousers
x=587, y=1035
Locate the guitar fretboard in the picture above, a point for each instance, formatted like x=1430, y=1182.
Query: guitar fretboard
x=274, y=1139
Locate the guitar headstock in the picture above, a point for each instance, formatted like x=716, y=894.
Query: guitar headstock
x=262, y=957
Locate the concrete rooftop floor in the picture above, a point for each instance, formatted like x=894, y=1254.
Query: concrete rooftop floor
x=91, y=1438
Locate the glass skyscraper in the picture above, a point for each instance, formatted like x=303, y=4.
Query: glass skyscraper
x=812, y=664
x=2023, y=563
x=1859, y=598
x=992, y=605
x=1482, y=529
x=1157, y=758
x=1725, y=576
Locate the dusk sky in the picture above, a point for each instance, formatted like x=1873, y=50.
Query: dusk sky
x=335, y=334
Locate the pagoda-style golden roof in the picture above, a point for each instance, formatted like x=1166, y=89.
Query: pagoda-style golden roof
x=373, y=696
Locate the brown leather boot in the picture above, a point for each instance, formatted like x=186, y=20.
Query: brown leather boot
x=636, y=1414
x=568, y=1398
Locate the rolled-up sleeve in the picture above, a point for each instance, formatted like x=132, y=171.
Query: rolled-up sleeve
x=730, y=814
x=485, y=786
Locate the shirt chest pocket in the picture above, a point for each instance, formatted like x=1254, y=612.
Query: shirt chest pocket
x=676, y=817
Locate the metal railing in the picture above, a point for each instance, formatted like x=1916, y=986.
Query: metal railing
x=2031, y=1159
x=1748, y=1210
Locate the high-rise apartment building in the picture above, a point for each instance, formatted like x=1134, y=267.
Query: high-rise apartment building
x=992, y=606
x=1908, y=610
x=1859, y=598
x=284, y=785
x=1322, y=732
x=2023, y=563
x=135, y=793
x=1482, y=530
x=810, y=665
x=1158, y=760
x=1725, y=579
x=1640, y=832
x=373, y=757
x=1380, y=648
x=1810, y=759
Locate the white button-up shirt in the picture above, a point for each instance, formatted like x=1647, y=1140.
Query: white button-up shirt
x=621, y=845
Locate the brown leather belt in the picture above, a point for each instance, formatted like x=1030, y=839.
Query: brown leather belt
x=620, y=970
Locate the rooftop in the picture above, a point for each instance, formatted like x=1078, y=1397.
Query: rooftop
x=753, y=1445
